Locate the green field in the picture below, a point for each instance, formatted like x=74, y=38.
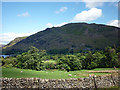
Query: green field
x=48, y=74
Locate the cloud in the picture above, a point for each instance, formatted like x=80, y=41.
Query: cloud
x=93, y=4
x=49, y=25
x=61, y=24
x=96, y=3
x=113, y=23
x=24, y=14
x=7, y=37
x=84, y=16
x=62, y=9
x=89, y=15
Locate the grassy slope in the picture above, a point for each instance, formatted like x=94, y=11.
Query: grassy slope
x=49, y=74
x=13, y=42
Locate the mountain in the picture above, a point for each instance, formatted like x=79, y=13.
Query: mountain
x=13, y=42
x=74, y=37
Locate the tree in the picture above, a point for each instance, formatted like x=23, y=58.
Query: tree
x=31, y=59
x=89, y=60
x=69, y=62
x=33, y=50
x=99, y=59
x=111, y=57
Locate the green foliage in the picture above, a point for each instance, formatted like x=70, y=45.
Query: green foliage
x=31, y=59
x=8, y=62
x=33, y=50
x=92, y=65
x=87, y=59
x=69, y=63
x=40, y=60
x=111, y=57
x=99, y=59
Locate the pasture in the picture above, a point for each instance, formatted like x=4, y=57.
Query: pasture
x=52, y=74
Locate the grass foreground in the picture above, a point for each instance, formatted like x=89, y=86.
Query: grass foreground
x=49, y=74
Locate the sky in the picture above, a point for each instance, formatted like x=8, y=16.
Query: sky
x=26, y=18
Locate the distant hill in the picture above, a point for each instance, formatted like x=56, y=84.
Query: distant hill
x=13, y=42
x=73, y=36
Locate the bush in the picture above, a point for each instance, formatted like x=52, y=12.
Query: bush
x=92, y=65
x=8, y=61
x=69, y=62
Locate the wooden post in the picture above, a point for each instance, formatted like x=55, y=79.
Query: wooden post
x=94, y=83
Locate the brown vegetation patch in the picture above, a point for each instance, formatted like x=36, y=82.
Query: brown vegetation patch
x=104, y=71
x=82, y=75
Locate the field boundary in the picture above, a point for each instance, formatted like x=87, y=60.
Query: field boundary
x=89, y=82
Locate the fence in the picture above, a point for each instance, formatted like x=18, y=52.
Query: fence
x=89, y=82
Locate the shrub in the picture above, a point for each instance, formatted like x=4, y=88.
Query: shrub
x=69, y=62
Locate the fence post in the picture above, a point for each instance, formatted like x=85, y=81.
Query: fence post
x=94, y=83
x=113, y=80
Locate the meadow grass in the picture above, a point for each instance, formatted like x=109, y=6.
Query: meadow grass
x=48, y=74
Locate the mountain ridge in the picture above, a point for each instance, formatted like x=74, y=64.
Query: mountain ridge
x=76, y=36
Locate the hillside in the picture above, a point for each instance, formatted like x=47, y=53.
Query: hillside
x=13, y=42
x=73, y=36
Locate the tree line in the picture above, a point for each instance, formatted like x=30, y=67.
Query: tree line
x=40, y=60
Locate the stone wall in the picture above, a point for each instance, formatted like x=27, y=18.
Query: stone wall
x=90, y=82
